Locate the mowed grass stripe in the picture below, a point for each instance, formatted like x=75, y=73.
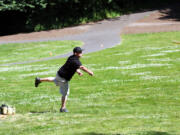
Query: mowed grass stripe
x=19, y=52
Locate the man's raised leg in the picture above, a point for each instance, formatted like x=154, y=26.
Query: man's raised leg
x=39, y=80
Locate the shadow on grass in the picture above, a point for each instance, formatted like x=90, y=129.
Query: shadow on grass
x=142, y=133
x=93, y=133
x=154, y=133
x=40, y=112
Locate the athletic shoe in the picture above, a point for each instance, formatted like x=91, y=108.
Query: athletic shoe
x=64, y=110
x=37, y=81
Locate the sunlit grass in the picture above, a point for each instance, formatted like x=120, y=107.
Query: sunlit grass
x=135, y=91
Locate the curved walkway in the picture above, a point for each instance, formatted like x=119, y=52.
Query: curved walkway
x=100, y=35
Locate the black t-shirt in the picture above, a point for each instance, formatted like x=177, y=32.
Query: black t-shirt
x=69, y=68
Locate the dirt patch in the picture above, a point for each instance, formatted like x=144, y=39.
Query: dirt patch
x=164, y=20
x=45, y=34
x=151, y=29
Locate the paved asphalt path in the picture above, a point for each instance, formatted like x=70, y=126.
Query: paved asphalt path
x=101, y=35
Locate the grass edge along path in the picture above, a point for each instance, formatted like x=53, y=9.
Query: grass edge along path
x=20, y=52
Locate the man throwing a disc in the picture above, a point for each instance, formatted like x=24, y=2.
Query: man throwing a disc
x=64, y=75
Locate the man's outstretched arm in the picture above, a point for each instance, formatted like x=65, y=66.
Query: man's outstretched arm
x=86, y=70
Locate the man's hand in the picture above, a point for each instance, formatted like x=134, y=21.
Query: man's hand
x=91, y=73
x=79, y=72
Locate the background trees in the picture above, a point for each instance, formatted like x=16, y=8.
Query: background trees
x=36, y=15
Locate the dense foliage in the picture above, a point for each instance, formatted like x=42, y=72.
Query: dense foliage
x=22, y=5
x=35, y=15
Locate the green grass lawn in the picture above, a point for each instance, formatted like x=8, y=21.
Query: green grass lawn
x=135, y=91
x=17, y=52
